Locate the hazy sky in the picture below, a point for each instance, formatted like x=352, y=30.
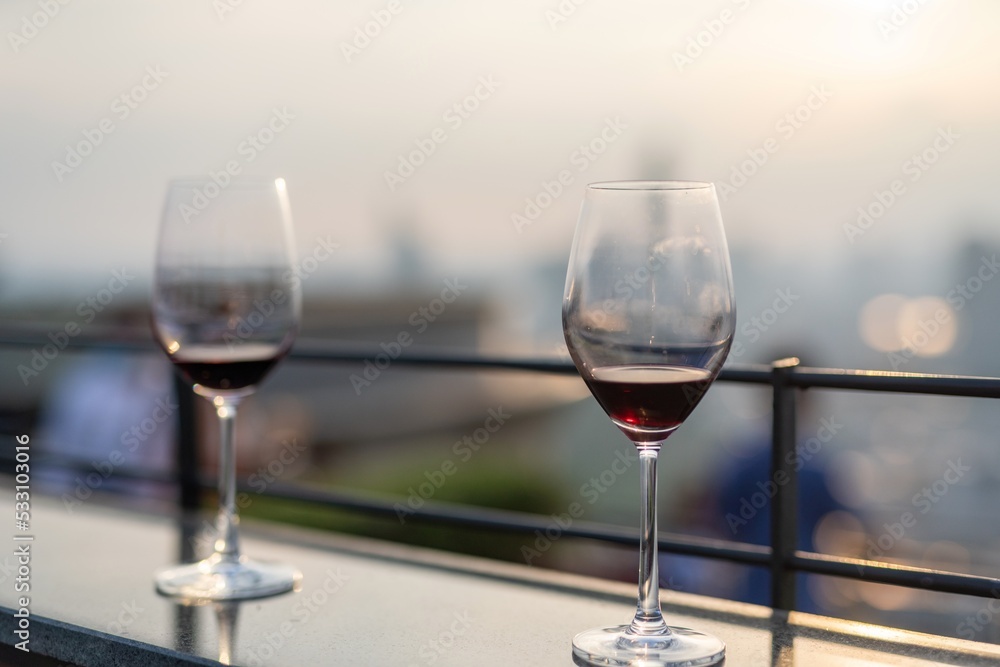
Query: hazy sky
x=880, y=93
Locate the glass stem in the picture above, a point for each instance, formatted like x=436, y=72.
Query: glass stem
x=227, y=545
x=648, y=617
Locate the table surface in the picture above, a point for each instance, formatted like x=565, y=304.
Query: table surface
x=364, y=602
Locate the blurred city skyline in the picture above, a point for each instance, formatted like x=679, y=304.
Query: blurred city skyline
x=805, y=115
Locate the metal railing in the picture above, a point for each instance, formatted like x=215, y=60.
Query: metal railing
x=785, y=378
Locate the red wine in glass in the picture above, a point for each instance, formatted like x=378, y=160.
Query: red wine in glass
x=648, y=402
x=226, y=370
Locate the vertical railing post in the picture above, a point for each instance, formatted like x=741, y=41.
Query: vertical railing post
x=189, y=500
x=784, y=510
x=186, y=455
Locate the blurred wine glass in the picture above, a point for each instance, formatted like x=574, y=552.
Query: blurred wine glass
x=225, y=314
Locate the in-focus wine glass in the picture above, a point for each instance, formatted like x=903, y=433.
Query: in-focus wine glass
x=225, y=311
x=649, y=316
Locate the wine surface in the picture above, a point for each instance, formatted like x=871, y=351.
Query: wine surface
x=648, y=402
x=226, y=369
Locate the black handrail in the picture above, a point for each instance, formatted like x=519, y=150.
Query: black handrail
x=784, y=377
x=802, y=378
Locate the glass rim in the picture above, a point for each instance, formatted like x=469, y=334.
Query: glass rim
x=234, y=181
x=650, y=185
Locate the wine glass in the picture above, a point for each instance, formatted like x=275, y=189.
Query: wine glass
x=225, y=311
x=649, y=316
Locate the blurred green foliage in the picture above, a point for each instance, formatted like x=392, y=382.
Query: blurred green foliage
x=496, y=484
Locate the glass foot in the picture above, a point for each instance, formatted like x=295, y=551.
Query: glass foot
x=217, y=579
x=678, y=647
